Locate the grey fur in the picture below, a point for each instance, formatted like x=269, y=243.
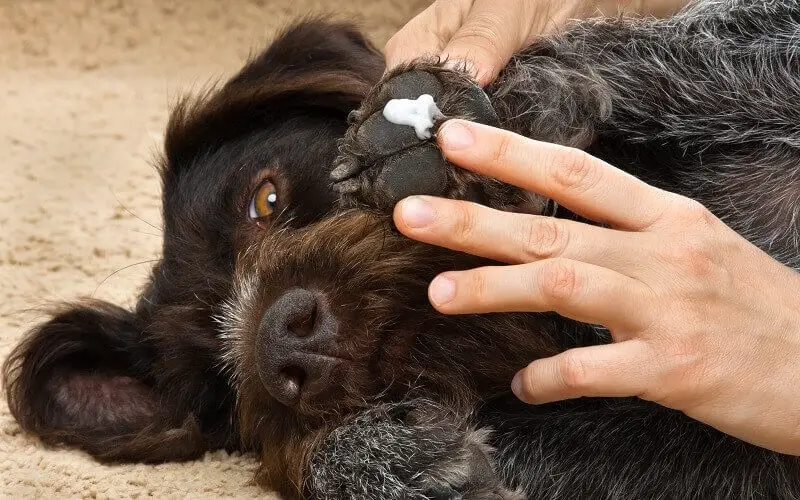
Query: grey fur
x=412, y=450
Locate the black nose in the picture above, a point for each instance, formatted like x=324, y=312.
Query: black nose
x=296, y=340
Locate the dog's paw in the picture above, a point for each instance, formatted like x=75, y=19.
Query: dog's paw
x=381, y=162
x=414, y=450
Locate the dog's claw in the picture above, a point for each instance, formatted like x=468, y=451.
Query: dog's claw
x=348, y=186
x=344, y=171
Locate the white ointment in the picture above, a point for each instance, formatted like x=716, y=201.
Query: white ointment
x=418, y=113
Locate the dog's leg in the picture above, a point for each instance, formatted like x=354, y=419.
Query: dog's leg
x=409, y=451
x=704, y=99
x=719, y=74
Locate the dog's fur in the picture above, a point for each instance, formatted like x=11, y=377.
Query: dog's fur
x=704, y=104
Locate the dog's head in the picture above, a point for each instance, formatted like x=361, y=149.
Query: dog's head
x=271, y=312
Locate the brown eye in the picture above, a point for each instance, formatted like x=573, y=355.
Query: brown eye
x=264, y=201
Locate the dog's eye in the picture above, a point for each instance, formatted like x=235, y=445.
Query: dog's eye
x=264, y=201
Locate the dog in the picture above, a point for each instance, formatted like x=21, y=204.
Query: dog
x=287, y=318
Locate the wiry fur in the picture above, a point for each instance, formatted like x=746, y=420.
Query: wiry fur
x=703, y=104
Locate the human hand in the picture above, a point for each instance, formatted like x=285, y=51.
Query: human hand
x=484, y=34
x=702, y=320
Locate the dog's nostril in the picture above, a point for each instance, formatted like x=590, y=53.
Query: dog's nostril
x=304, y=325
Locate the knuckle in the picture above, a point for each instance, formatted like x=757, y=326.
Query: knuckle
x=446, y=8
x=573, y=170
x=481, y=32
x=559, y=282
x=695, y=257
x=543, y=238
x=464, y=224
x=502, y=152
x=572, y=373
x=477, y=285
x=681, y=366
x=693, y=213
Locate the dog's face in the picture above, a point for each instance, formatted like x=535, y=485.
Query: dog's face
x=272, y=312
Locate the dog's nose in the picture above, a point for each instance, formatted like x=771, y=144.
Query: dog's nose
x=296, y=338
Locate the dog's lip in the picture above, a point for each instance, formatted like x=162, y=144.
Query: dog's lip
x=326, y=356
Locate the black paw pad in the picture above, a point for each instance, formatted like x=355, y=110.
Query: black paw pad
x=415, y=171
x=381, y=162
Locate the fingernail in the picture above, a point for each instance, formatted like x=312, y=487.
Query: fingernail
x=417, y=212
x=516, y=384
x=455, y=135
x=442, y=290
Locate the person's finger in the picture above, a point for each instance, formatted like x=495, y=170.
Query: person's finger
x=575, y=179
x=490, y=35
x=577, y=290
x=611, y=370
x=427, y=33
x=514, y=238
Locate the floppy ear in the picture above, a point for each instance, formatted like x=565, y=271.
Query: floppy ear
x=314, y=45
x=81, y=379
x=315, y=67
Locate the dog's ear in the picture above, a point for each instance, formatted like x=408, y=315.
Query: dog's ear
x=81, y=379
x=315, y=67
x=313, y=46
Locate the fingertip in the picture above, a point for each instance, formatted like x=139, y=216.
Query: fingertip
x=455, y=63
x=523, y=387
x=517, y=386
x=442, y=291
x=482, y=72
x=415, y=212
x=455, y=135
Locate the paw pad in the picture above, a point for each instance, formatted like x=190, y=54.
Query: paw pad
x=381, y=162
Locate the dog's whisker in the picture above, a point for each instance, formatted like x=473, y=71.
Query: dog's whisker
x=132, y=214
x=148, y=261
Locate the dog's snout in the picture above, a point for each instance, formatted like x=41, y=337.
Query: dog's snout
x=295, y=348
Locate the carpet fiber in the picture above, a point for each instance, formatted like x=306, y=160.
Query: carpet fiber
x=84, y=95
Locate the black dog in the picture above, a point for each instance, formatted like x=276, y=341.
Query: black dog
x=287, y=318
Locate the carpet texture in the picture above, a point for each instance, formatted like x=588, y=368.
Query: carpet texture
x=84, y=95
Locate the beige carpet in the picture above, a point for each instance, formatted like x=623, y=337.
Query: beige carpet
x=85, y=86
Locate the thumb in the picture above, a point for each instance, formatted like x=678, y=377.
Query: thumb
x=492, y=32
x=613, y=370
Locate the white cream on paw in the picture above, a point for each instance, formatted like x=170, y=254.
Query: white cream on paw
x=418, y=113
